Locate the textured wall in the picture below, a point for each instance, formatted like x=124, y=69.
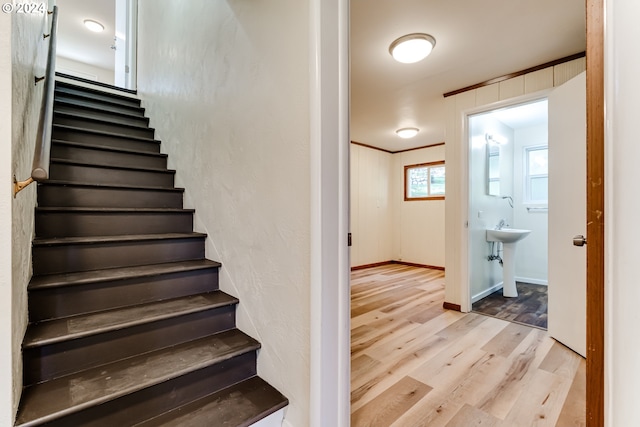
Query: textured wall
x=372, y=197
x=28, y=50
x=419, y=230
x=6, y=335
x=226, y=85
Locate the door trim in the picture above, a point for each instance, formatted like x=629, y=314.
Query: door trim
x=595, y=213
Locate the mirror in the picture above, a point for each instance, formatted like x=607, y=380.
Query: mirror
x=493, y=168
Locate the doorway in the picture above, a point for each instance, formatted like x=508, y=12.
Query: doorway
x=97, y=41
x=508, y=191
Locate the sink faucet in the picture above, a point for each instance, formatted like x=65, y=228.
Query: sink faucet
x=501, y=224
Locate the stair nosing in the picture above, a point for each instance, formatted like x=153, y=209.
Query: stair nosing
x=107, y=148
x=61, y=280
x=228, y=301
x=88, y=98
x=106, y=133
x=66, y=103
x=95, y=240
x=106, y=166
x=114, y=186
x=132, y=97
x=106, y=210
x=95, y=119
x=253, y=346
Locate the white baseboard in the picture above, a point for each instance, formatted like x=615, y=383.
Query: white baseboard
x=486, y=292
x=532, y=281
x=274, y=420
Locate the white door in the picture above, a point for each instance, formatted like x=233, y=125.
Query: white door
x=125, y=43
x=567, y=214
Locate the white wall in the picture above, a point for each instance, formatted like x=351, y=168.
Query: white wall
x=622, y=230
x=372, y=197
x=227, y=88
x=86, y=71
x=28, y=59
x=456, y=206
x=419, y=224
x=531, y=255
x=384, y=226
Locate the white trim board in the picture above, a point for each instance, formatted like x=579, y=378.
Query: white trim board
x=477, y=297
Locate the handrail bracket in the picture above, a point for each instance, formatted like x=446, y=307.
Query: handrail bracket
x=18, y=186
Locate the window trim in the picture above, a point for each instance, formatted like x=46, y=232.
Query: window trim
x=527, y=179
x=422, y=165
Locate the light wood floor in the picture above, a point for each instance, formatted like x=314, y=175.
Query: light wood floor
x=415, y=364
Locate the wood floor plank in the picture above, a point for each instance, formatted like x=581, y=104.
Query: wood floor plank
x=478, y=371
x=468, y=416
x=541, y=404
x=507, y=340
x=390, y=405
x=573, y=413
x=560, y=361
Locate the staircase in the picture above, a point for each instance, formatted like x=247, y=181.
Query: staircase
x=127, y=325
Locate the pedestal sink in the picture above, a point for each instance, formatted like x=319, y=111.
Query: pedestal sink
x=508, y=237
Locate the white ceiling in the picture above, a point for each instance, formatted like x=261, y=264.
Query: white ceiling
x=76, y=42
x=476, y=40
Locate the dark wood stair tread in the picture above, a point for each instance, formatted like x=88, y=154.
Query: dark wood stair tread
x=53, y=399
x=99, y=120
x=94, y=83
x=112, y=210
x=112, y=274
x=107, y=166
x=58, y=330
x=96, y=109
x=106, y=148
x=115, y=186
x=59, y=241
x=240, y=405
x=105, y=133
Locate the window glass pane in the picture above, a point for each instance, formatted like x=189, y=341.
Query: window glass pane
x=437, y=180
x=418, y=182
x=539, y=188
x=538, y=161
x=494, y=187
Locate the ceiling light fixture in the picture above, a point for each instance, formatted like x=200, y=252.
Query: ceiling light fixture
x=412, y=47
x=407, y=133
x=94, y=26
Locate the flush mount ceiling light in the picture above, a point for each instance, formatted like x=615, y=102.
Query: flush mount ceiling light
x=407, y=133
x=412, y=47
x=94, y=26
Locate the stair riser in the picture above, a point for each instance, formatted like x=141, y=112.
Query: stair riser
x=104, y=140
x=101, y=114
x=84, y=224
x=96, y=175
x=85, y=257
x=82, y=299
x=104, y=157
x=55, y=360
x=137, y=407
x=82, y=101
x=70, y=196
x=103, y=96
x=102, y=126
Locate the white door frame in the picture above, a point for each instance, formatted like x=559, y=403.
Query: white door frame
x=465, y=283
x=329, y=167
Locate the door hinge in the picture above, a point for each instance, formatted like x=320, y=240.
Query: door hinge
x=349, y=239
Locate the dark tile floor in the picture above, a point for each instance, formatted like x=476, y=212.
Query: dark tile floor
x=529, y=307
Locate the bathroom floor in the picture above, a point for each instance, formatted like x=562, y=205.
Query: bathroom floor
x=529, y=308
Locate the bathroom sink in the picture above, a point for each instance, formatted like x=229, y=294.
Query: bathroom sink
x=507, y=235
